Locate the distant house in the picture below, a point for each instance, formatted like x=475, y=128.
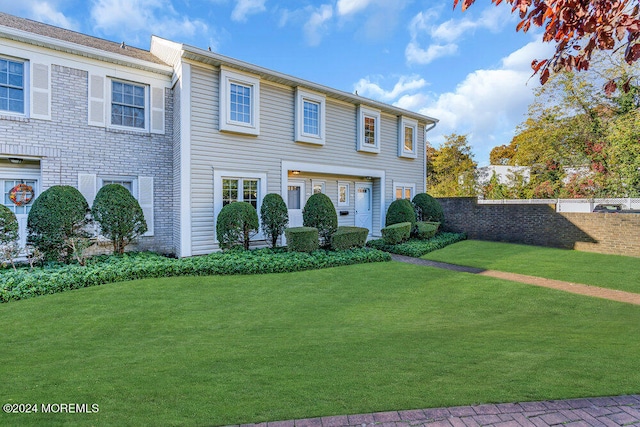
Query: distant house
x=187, y=131
x=504, y=174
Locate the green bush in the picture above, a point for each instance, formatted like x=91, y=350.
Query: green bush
x=58, y=215
x=237, y=223
x=120, y=216
x=427, y=208
x=25, y=283
x=417, y=248
x=302, y=239
x=349, y=237
x=320, y=213
x=425, y=230
x=9, y=247
x=274, y=216
x=400, y=210
x=396, y=233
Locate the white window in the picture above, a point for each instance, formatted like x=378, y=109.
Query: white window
x=368, y=130
x=240, y=190
x=239, y=102
x=407, y=138
x=129, y=105
x=12, y=86
x=404, y=191
x=318, y=186
x=343, y=194
x=310, y=117
x=127, y=183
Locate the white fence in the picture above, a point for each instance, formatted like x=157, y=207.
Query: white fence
x=567, y=205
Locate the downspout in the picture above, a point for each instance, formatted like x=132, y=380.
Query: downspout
x=424, y=169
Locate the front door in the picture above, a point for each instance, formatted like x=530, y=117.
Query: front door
x=364, y=202
x=295, y=202
x=19, y=195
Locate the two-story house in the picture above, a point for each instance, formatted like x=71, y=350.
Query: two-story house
x=188, y=131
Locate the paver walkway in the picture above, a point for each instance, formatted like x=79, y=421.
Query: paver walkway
x=592, y=412
x=576, y=288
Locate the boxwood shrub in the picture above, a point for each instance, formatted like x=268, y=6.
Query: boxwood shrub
x=320, y=213
x=25, y=283
x=425, y=230
x=349, y=237
x=237, y=222
x=302, y=239
x=396, y=233
x=274, y=217
x=400, y=210
x=427, y=208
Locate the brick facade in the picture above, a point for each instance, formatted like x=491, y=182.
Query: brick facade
x=67, y=146
x=541, y=225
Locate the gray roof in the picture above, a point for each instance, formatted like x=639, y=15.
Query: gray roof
x=76, y=38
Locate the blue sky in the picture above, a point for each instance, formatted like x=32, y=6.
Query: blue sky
x=470, y=70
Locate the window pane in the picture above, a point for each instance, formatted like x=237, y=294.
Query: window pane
x=407, y=193
x=311, y=118
x=398, y=193
x=408, y=138
x=240, y=103
x=342, y=194
x=11, y=86
x=370, y=130
x=127, y=105
x=293, y=197
x=128, y=184
x=318, y=188
x=250, y=193
x=229, y=191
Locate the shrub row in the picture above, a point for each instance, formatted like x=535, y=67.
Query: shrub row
x=396, y=233
x=417, y=248
x=348, y=238
x=302, y=239
x=25, y=283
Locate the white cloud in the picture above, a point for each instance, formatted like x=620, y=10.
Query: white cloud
x=43, y=11
x=443, y=38
x=347, y=7
x=134, y=20
x=247, y=7
x=316, y=26
x=366, y=87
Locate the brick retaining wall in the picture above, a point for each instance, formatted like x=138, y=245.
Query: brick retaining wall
x=541, y=225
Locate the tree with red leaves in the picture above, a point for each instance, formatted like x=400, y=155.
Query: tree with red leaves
x=578, y=27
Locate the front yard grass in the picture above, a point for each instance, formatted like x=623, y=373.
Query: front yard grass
x=607, y=271
x=346, y=340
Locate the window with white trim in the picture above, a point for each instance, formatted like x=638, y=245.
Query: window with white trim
x=404, y=191
x=310, y=117
x=343, y=194
x=407, y=138
x=318, y=186
x=368, y=130
x=126, y=183
x=129, y=105
x=12, y=86
x=240, y=190
x=239, y=102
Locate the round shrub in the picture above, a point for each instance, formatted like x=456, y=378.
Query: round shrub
x=320, y=213
x=8, y=226
x=58, y=215
x=120, y=216
x=237, y=223
x=400, y=210
x=425, y=230
x=274, y=216
x=427, y=208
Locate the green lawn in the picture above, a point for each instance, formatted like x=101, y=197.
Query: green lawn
x=608, y=271
x=356, y=339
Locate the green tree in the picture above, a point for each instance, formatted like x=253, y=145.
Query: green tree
x=274, y=216
x=453, y=169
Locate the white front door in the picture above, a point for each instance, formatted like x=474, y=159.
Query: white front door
x=364, y=202
x=11, y=187
x=295, y=202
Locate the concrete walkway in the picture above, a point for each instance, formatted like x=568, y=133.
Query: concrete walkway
x=593, y=412
x=576, y=288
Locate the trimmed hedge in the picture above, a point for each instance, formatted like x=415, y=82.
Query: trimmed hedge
x=23, y=283
x=302, y=239
x=274, y=216
x=417, y=248
x=120, y=216
x=237, y=222
x=427, y=208
x=58, y=215
x=400, y=210
x=349, y=237
x=396, y=233
x=320, y=213
x=425, y=230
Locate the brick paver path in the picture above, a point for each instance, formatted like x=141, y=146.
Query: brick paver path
x=592, y=412
x=576, y=288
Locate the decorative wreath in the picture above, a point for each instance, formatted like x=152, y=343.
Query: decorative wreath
x=21, y=194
